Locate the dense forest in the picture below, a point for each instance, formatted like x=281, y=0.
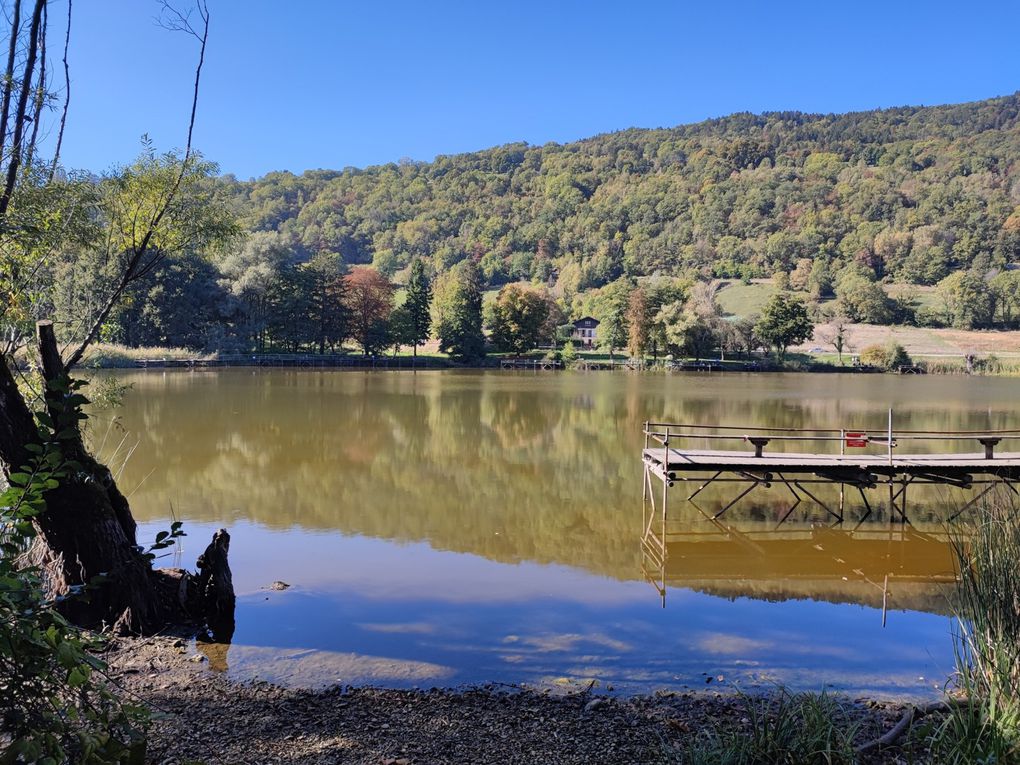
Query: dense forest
x=910, y=195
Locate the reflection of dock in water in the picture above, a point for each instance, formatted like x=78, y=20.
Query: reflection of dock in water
x=875, y=565
x=782, y=556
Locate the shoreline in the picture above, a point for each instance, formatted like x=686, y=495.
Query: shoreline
x=108, y=358
x=202, y=715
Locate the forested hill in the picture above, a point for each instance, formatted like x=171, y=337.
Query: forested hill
x=910, y=193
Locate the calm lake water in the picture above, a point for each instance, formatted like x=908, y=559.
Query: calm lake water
x=445, y=528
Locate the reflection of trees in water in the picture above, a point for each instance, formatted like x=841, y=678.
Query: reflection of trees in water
x=543, y=468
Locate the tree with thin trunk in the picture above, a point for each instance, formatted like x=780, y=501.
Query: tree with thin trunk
x=85, y=533
x=837, y=334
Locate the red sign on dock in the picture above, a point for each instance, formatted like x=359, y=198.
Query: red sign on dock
x=856, y=439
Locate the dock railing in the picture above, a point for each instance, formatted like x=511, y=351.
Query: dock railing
x=823, y=440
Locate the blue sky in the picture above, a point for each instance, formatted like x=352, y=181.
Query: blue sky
x=331, y=83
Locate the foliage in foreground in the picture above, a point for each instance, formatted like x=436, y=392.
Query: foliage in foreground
x=784, y=727
x=55, y=704
x=987, y=729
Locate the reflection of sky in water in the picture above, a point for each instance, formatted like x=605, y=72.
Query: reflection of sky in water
x=463, y=527
x=407, y=615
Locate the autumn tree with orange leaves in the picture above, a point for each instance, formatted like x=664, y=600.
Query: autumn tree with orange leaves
x=370, y=302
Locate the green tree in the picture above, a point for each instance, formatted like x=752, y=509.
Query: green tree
x=862, y=299
x=518, y=318
x=418, y=303
x=328, y=313
x=289, y=306
x=401, y=328
x=744, y=330
x=613, y=331
x=685, y=331
x=251, y=269
x=967, y=300
x=888, y=357
x=457, y=312
x=784, y=322
x=1005, y=288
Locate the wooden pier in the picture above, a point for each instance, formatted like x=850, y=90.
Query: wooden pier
x=763, y=457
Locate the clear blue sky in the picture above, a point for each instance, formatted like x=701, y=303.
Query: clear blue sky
x=331, y=83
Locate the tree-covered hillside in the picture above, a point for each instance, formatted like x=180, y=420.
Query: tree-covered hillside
x=911, y=193
x=831, y=205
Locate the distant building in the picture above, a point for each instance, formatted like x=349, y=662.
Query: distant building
x=586, y=332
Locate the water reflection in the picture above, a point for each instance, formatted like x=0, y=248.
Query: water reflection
x=881, y=565
x=498, y=515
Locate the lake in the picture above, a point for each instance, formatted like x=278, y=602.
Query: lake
x=444, y=528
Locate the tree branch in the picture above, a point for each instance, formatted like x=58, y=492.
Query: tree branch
x=67, y=96
x=14, y=164
x=40, y=90
x=5, y=102
x=173, y=20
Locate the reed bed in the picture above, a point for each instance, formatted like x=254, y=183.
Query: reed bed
x=110, y=355
x=984, y=725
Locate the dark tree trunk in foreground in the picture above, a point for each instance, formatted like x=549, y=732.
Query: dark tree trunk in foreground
x=86, y=534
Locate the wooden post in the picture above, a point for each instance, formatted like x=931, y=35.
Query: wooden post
x=842, y=486
x=665, y=492
x=888, y=445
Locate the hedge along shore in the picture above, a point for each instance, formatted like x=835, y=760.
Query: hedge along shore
x=201, y=715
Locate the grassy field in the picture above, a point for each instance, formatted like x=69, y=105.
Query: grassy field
x=739, y=299
x=922, y=342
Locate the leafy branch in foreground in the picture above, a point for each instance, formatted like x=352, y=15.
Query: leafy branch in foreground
x=55, y=702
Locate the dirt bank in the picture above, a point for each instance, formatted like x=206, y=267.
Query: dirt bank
x=203, y=716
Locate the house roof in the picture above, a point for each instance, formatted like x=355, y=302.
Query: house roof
x=587, y=320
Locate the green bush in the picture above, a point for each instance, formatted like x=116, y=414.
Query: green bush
x=888, y=357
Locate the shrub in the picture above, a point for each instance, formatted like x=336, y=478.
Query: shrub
x=888, y=357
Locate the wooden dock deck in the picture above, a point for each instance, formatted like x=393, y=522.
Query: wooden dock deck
x=1006, y=464
x=758, y=457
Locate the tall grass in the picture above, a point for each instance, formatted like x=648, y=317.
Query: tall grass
x=783, y=727
x=110, y=355
x=957, y=365
x=986, y=727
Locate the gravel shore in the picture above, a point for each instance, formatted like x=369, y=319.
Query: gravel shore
x=206, y=717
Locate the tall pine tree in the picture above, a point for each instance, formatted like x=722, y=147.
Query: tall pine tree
x=417, y=304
